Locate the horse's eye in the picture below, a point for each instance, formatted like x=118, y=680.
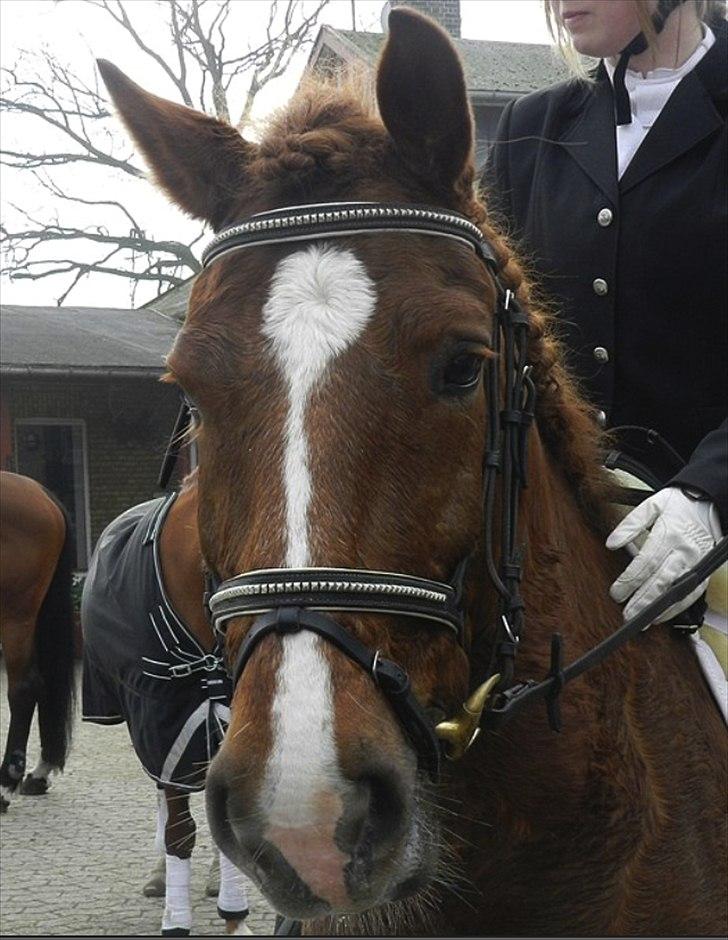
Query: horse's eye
x=462, y=373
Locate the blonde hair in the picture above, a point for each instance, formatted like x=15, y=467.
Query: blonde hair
x=708, y=11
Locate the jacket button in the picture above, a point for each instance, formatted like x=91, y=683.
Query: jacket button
x=604, y=217
x=600, y=286
x=601, y=354
x=601, y=419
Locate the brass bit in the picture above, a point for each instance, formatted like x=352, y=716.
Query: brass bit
x=460, y=732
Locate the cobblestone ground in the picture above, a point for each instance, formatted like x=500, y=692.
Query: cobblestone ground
x=73, y=862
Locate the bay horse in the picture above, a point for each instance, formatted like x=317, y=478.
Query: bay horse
x=36, y=630
x=343, y=347
x=158, y=540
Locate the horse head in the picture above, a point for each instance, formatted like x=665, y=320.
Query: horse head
x=343, y=422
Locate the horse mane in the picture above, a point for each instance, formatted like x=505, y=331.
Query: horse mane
x=329, y=140
x=566, y=421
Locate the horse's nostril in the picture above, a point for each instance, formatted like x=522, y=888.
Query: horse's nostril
x=386, y=806
x=375, y=816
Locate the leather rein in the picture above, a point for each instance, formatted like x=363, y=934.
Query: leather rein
x=286, y=600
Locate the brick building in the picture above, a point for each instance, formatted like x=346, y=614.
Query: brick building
x=82, y=409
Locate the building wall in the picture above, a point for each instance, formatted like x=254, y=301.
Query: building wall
x=127, y=426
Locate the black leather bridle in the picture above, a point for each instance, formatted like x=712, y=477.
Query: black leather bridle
x=289, y=600
x=286, y=600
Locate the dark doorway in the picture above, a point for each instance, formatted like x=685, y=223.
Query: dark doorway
x=53, y=454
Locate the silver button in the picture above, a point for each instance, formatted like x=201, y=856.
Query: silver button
x=604, y=217
x=601, y=419
x=601, y=354
x=600, y=286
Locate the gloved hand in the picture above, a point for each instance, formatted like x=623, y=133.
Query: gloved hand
x=681, y=531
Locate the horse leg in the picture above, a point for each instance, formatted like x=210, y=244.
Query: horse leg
x=212, y=884
x=23, y=687
x=55, y=660
x=232, y=901
x=37, y=782
x=154, y=886
x=179, y=840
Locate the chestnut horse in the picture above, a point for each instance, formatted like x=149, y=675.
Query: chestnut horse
x=345, y=414
x=36, y=630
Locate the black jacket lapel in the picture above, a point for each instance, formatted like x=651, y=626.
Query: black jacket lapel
x=689, y=116
x=590, y=139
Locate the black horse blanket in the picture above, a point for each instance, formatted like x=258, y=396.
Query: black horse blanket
x=141, y=664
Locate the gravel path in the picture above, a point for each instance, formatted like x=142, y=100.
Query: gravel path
x=73, y=862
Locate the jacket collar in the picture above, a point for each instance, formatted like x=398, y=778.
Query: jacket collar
x=689, y=116
x=589, y=138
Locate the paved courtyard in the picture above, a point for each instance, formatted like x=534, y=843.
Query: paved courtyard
x=73, y=862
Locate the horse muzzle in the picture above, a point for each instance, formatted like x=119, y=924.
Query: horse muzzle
x=356, y=845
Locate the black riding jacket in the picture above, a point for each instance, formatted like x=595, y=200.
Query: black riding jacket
x=637, y=267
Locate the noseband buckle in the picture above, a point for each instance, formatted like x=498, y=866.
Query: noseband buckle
x=390, y=677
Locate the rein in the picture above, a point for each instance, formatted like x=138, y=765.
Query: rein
x=289, y=600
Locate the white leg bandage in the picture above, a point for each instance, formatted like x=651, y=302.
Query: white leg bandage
x=232, y=899
x=177, y=909
x=162, y=815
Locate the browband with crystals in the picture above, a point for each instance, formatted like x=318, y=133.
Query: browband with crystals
x=337, y=219
x=340, y=589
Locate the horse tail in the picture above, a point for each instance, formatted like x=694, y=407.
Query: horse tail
x=55, y=657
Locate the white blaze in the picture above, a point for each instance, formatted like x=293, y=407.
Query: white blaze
x=319, y=304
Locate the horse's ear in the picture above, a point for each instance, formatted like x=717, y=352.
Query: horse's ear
x=423, y=100
x=198, y=160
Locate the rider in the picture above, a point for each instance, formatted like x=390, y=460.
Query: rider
x=614, y=184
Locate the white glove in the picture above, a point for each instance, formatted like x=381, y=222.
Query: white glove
x=681, y=531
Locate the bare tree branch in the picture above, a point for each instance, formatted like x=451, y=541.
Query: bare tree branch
x=279, y=52
x=48, y=101
x=198, y=48
x=55, y=191
x=26, y=161
x=136, y=241
x=118, y=13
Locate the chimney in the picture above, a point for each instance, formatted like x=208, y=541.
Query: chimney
x=446, y=12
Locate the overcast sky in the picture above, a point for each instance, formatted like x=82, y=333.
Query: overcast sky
x=78, y=35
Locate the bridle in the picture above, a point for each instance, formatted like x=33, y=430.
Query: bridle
x=288, y=600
